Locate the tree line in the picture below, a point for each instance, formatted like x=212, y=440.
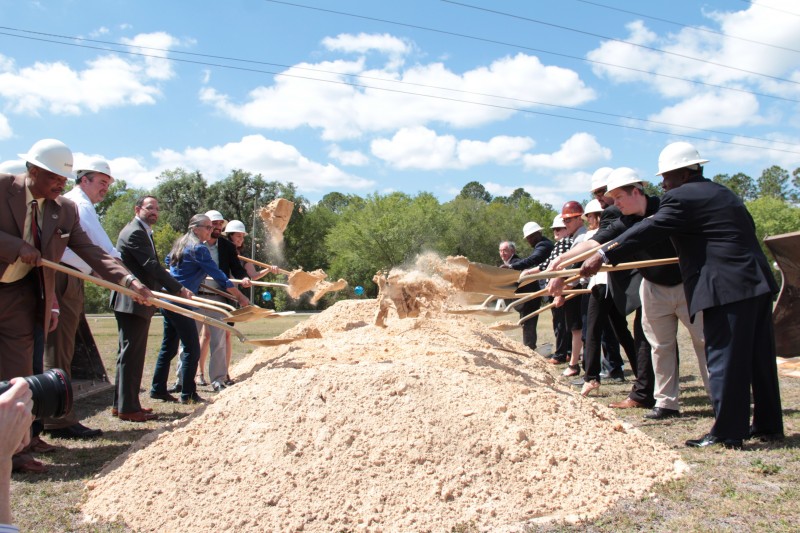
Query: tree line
x=353, y=237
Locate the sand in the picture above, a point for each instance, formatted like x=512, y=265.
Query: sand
x=419, y=423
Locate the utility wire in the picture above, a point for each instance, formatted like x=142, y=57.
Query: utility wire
x=400, y=82
x=623, y=41
x=538, y=50
x=759, y=4
x=698, y=28
x=404, y=92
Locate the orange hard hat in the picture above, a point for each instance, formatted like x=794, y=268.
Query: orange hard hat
x=571, y=209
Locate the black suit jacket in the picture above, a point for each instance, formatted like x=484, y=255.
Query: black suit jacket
x=139, y=256
x=719, y=255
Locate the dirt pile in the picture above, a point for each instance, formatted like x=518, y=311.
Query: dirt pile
x=416, y=424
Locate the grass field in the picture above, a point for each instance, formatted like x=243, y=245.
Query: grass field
x=756, y=489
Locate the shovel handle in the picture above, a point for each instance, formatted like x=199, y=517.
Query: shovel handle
x=154, y=301
x=265, y=265
x=548, y=306
x=261, y=283
x=218, y=292
x=196, y=302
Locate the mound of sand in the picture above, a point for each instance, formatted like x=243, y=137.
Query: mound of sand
x=419, y=425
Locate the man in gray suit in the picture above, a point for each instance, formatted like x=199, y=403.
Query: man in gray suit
x=138, y=251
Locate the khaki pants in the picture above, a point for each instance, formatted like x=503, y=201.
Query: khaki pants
x=662, y=308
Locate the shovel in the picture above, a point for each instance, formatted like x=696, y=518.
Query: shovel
x=525, y=280
x=156, y=302
x=299, y=280
x=510, y=326
x=244, y=314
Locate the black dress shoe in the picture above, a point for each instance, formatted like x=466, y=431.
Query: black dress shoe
x=75, y=431
x=193, y=399
x=163, y=396
x=659, y=413
x=711, y=440
x=175, y=388
x=766, y=436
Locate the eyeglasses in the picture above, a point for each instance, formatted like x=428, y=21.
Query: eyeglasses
x=205, y=227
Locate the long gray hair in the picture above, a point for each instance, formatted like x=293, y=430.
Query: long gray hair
x=187, y=240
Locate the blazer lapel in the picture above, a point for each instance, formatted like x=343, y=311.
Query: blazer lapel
x=51, y=215
x=18, y=208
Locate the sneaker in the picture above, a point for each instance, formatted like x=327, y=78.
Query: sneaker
x=217, y=386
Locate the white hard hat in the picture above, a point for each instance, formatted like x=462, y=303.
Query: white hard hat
x=558, y=222
x=678, y=155
x=621, y=177
x=13, y=166
x=85, y=165
x=215, y=215
x=235, y=226
x=530, y=228
x=51, y=155
x=592, y=207
x=600, y=177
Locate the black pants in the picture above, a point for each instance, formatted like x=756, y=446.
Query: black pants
x=563, y=336
x=529, y=326
x=740, y=346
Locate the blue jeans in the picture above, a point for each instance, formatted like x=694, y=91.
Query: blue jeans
x=177, y=328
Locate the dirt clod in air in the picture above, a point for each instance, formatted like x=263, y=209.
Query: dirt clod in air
x=275, y=216
x=323, y=287
x=423, y=423
x=301, y=281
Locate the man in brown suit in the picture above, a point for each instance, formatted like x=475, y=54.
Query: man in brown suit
x=36, y=223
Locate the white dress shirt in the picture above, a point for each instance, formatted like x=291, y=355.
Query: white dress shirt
x=91, y=225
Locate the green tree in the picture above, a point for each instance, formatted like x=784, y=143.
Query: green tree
x=476, y=191
x=120, y=212
x=773, y=182
x=382, y=232
x=181, y=195
x=773, y=216
x=795, y=195
x=740, y=183
x=117, y=189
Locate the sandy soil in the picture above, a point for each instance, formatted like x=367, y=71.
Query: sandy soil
x=399, y=424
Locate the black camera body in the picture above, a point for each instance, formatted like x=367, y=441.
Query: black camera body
x=52, y=393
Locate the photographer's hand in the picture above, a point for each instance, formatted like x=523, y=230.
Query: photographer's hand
x=15, y=418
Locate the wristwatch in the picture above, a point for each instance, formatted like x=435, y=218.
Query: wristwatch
x=128, y=280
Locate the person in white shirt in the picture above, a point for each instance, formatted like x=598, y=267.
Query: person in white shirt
x=93, y=178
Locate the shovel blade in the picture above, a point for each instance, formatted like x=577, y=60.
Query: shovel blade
x=486, y=279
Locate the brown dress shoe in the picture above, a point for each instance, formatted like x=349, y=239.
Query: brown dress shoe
x=627, y=403
x=37, y=445
x=138, y=416
x=24, y=463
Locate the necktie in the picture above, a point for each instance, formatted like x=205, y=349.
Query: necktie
x=37, y=241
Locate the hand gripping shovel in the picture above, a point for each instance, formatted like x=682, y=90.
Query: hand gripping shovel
x=526, y=280
x=160, y=303
x=244, y=314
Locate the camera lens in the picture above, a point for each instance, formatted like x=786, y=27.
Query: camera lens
x=51, y=391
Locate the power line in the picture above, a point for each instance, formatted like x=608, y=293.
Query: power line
x=698, y=28
x=538, y=50
x=400, y=82
x=623, y=41
x=759, y=4
x=409, y=93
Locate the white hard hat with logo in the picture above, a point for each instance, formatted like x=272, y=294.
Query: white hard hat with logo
x=558, y=222
x=235, y=226
x=51, y=155
x=85, y=165
x=215, y=215
x=13, y=166
x=678, y=155
x=600, y=178
x=622, y=177
x=593, y=206
x=530, y=228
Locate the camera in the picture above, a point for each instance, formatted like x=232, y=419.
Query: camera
x=52, y=393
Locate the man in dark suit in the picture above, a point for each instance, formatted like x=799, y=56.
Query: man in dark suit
x=542, y=246
x=727, y=276
x=135, y=244
x=37, y=223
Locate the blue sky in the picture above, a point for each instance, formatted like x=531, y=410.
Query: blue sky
x=420, y=95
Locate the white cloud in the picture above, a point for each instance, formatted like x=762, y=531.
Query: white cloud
x=724, y=158
x=102, y=30
x=422, y=148
x=344, y=111
x=580, y=150
x=712, y=110
x=353, y=158
x=364, y=42
x=755, y=23
x=107, y=81
x=274, y=160
x=5, y=128
x=155, y=44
